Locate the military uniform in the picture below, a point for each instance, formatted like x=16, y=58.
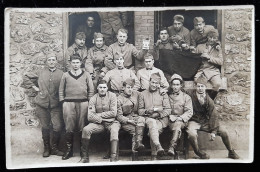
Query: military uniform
x=111, y=22
x=48, y=108
x=209, y=69
x=102, y=113
x=156, y=125
x=197, y=38
x=95, y=62
x=184, y=33
x=129, y=106
x=144, y=76
x=74, y=49
x=89, y=32
x=128, y=51
x=116, y=77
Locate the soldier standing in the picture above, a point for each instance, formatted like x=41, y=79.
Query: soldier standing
x=102, y=112
x=76, y=88
x=48, y=109
x=156, y=109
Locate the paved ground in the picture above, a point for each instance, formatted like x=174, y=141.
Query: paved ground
x=30, y=161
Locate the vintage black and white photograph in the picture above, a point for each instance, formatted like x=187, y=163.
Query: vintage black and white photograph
x=126, y=86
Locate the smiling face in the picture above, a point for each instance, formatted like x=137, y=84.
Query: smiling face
x=80, y=42
x=154, y=84
x=177, y=25
x=102, y=89
x=121, y=37
x=51, y=62
x=199, y=26
x=99, y=42
x=176, y=86
x=75, y=63
x=164, y=36
x=212, y=40
x=200, y=88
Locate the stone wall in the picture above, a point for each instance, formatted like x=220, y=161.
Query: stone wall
x=32, y=36
x=234, y=104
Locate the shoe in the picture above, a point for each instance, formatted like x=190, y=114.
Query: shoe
x=232, y=154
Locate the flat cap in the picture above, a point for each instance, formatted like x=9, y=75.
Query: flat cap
x=51, y=55
x=197, y=20
x=80, y=35
x=98, y=35
x=176, y=76
x=148, y=56
x=179, y=18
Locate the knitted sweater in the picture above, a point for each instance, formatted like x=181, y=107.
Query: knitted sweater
x=76, y=88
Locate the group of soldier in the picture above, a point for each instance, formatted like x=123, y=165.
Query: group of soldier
x=105, y=88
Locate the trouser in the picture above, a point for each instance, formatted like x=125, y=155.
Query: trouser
x=131, y=128
x=155, y=128
x=177, y=125
x=75, y=114
x=49, y=116
x=93, y=128
x=193, y=127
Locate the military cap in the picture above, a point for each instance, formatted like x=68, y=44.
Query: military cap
x=176, y=76
x=213, y=33
x=98, y=35
x=148, y=56
x=156, y=76
x=197, y=20
x=51, y=55
x=179, y=18
x=129, y=81
x=201, y=80
x=80, y=35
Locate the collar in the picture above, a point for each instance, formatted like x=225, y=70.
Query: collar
x=176, y=93
x=77, y=72
x=149, y=68
x=121, y=45
x=126, y=95
x=120, y=68
x=199, y=95
x=151, y=91
x=102, y=95
x=52, y=70
x=76, y=46
x=165, y=42
x=103, y=48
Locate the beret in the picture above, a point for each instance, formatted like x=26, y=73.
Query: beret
x=80, y=35
x=176, y=76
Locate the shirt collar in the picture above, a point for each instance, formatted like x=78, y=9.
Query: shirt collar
x=149, y=68
x=103, y=48
x=52, y=70
x=126, y=95
x=77, y=72
x=121, y=45
x=165, y=42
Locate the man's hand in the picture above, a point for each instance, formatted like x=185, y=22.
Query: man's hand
x=130, y=121
x=159, y=109
x=155, y=115
x=92, y=76
x=212, y=136
x=150, y=111
x=36, y=88
x=102, y=74
x=158, y=42
x=179, y=119
x=163, y=91
x=172, y=118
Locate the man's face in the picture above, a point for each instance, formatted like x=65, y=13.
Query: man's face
x=177, y=25
x=75, y=63
x=121, y=37
x=90, y=22
x=102, y=89
x=164, y=35
x=154, y=85
x=80, y=42
x=200, y=88
x=119, y=62
x=51, y=62
x=199, y=27
x=99, y=42
x=148, y=63
x=212, y=40
x=128, y=89
x=176, y=86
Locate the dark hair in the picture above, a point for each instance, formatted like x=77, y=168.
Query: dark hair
x=181, y=81
x=75, y=57
x=102, y=82
x=163, y=28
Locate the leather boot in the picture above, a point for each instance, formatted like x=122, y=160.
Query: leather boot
x=69, y=142
x=55, y=143
x=134, y=156
x=139, y=131
x=173, y=142
x=84, y=150
x=232, y=154
x=195, y=146
x=46, y=142
x=159, y=150
x=114, y=151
